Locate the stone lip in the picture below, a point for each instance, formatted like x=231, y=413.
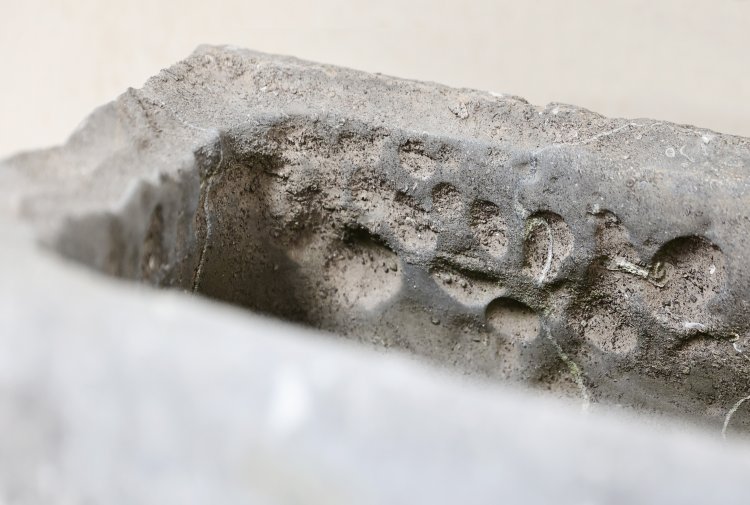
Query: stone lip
x=118, y=393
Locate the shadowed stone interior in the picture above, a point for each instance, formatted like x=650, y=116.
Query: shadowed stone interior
x=417, y=243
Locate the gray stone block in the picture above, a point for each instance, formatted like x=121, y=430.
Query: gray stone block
x=602, y=260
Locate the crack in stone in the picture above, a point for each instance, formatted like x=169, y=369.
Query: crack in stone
x=550, y=245
x=731, y=413
x=573, y=367
x=207, y=217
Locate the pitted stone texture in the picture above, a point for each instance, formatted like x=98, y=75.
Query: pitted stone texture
x=549, y=246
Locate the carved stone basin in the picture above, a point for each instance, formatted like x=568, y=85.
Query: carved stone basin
x=594, y=258
x=601, y=260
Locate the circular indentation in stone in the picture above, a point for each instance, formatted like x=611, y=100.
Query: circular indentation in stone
x=411, y=225
x=446, y=200
x=608, y=333
x=687, y=274
x=365, y=273
x=512, y=319
x=547, y=242
x=383, y=208
x=415, y=162
x=489, y=228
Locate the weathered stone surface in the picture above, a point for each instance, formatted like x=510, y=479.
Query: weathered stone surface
x=600, y=259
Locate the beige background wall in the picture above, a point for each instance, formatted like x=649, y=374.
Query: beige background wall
x=682, y=60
